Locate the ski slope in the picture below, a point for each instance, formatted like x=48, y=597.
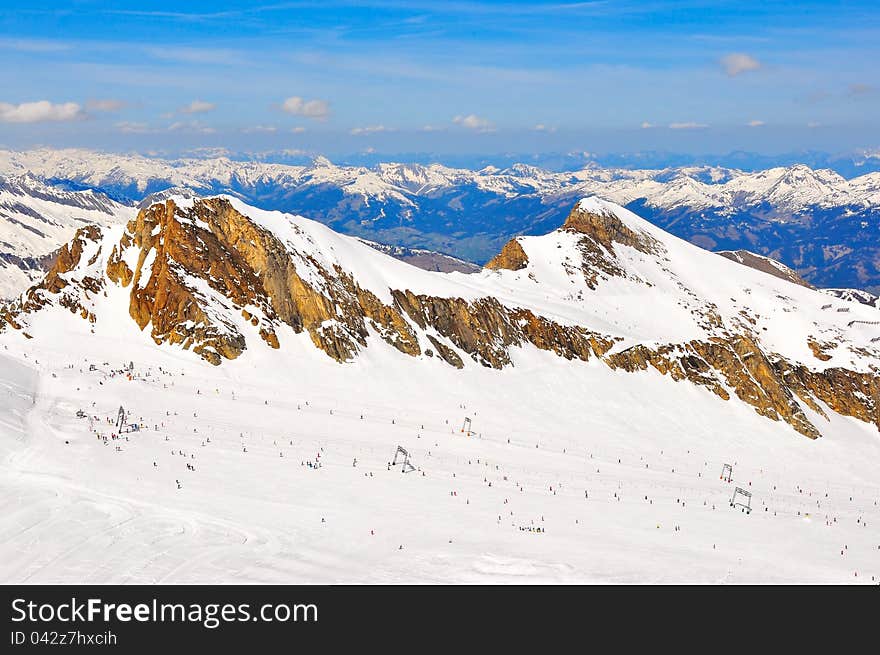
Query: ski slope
x=620, y=472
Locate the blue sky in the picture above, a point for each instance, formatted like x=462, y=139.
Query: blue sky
x=693, y=76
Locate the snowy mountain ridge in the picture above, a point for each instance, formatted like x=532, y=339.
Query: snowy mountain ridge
x=36, y=218
x=221, y=278
x=789, y=188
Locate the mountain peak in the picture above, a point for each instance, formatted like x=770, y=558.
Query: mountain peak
x=321, y=162
x=609, y=223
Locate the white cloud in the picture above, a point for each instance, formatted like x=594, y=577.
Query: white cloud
x=739, y=62
x=132, y=128
x=755, y=123
x=197, y=107
x=432, y=128
x=646, y=125
x=690, y=125
x=540, y=127
x=34, y=45
x=370, y=129
x=318, y=110
x=190, y=126
x=474, y=122
x=40, y=111
x=813, y=124
x=256, y=129
x=106, y=104
x=297, y=130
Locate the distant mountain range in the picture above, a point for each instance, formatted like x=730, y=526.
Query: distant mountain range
x=819, y=223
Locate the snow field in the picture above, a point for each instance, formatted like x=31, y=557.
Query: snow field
x=76, y=509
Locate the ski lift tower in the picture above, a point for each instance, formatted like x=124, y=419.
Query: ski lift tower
x=406, y=465
x=120, y=419
x=742, y=498
x=466, y=426
x=727, y=473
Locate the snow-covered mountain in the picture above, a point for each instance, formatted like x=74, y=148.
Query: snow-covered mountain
x=563, y=415
x=36, y=218
x=855, y=295
x=820, y=224
x=218, y=277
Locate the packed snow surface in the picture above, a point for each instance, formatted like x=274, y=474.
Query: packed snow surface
x=289, y=479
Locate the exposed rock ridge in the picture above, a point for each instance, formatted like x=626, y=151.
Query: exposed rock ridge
x=512, y=257
x=765, y=265
x=605, y=227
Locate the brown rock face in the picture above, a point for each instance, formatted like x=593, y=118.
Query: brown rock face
x=210, y=254
x=56, y=283
x=846, y=392
x=771, y=385
x=819, y=349
x=606, y=229
x=512, y=257
x=599, y=232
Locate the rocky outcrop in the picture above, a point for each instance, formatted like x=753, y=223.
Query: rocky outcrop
x=606, y=228
x=57, y=286
x=765, y=265
x=512, y=257
x=771, y=385
x=820, y=350
x=599, y=230
x=446, y=353
x=846, y=392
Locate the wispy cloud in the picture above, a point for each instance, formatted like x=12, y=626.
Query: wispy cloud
x=128, y=127
x=34, y=45
x=259, y=129
x=689, y=125
x=370, y=129
x=106, y=105
x=190, y=126
x=474, y=122
x=737, y=63
x=197, y=107
x=177, y=15
x=540, y=127
x=191, y=55
x=318, y=110
x=646, y=125
x=40, y=111
x=755, y=123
